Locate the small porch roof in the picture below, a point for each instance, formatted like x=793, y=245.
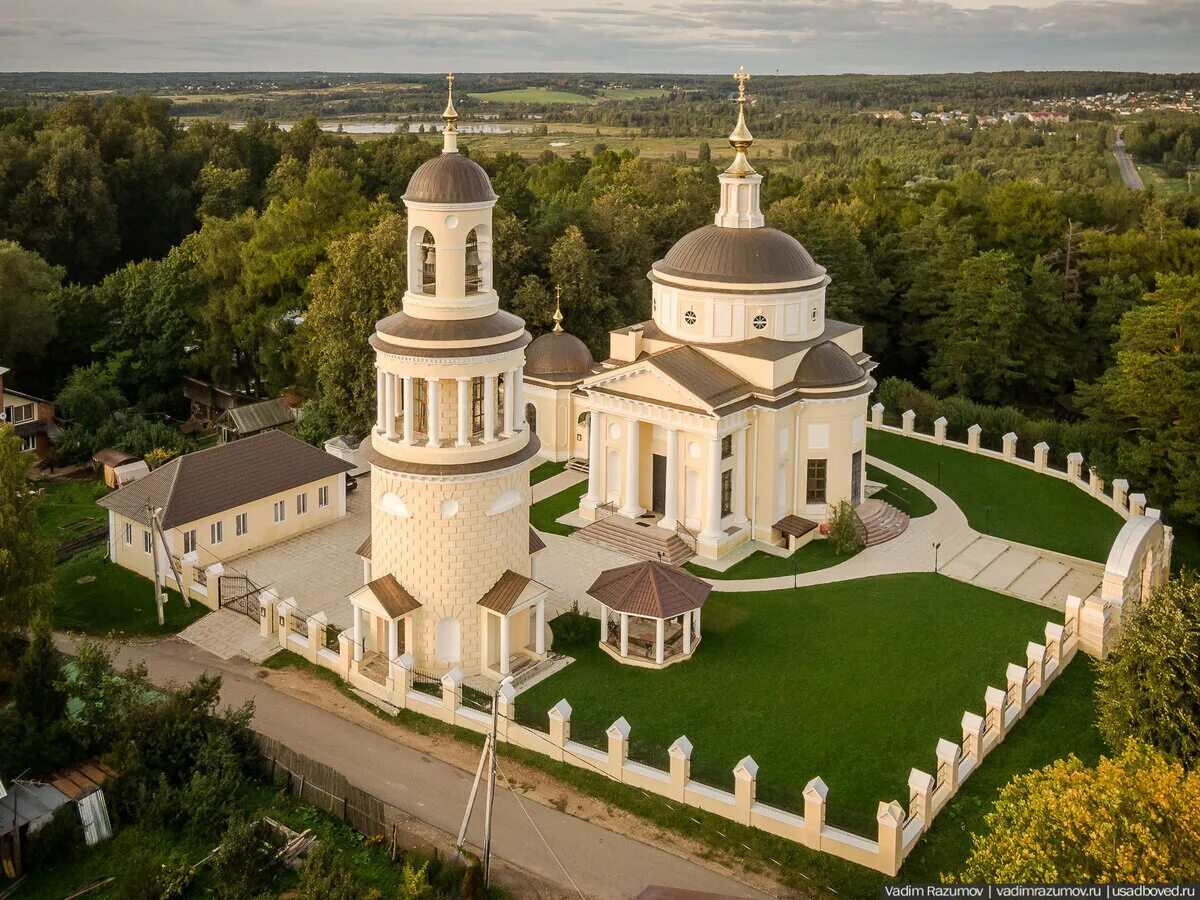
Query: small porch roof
x=535, y=541
x=512, y=592
x=795, y=526
x=364, y=549
x=650, y=589
x=385, y=597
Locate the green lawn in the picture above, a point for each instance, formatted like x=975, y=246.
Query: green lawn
x=817, y=554
x=531, y=95
x=633, y=93
x=546, y=470
x=1006, y=500
x=1061, y=723
x=68, y=508
x=901, y=494
x=116, y=601
x=543, y=513
x=853, y=682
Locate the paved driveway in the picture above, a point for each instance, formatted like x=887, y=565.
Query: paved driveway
x=318, y=568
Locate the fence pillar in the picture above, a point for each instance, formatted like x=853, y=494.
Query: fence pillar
x=266, y=613
x=1010, y=445
x=891, y=837
x=920, y=796
x=404, y=683
x=1075, y=465
x=316, y=636
x=948, y=755
x=908, y=421
x=1095, y=483
x=1041, y=456
x=1054, y=641
x=745, y=782
x=680, y=755
x=973, y=434
x=939, y=429
x=506, y=709
x=283, y=620
x=346, y=653
x=1035, y=662
x=451, y=693
x=877, y=414
x=993, y=702
x=1137, y=504
x=816, y=794
x=1015, y=675
x=1120, y=497
x=972, y=727
x=1095, y=627
x=618, y=747
x=560, y=725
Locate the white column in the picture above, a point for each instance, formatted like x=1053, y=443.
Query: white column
x=433, y=409
x=739, y=477
x=696, y=621
x=671, y=507
x=393, y=638
x=633, y=469
x=687, y=632
x=489, y=408
x=593, y=496
x=504, y=645
x=712, y=495
x=380, y=399
x=409, y=410
x=519, y=399
x=510, y=400
x=624, y=634
x=539, y=636
x=464, y=412
x=389, y=406
x=660, y=633
x=358, y=648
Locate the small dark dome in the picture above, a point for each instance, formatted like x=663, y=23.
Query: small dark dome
x=449, y=178
x=739, y=255
x=827, y=365
x=557, y=354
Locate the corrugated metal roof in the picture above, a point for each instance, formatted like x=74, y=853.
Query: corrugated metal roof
x=208, y=482
x=255, y=417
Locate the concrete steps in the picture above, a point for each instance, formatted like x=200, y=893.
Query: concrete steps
x=575, y=464
x=643, y=542
x=882, y=521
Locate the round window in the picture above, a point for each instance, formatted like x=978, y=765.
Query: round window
x=760, y=322
x=689, y=317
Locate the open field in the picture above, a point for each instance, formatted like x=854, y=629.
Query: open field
x=1005, y=500
x=853, y=681
x=531, y=95
x=633, y=93
x=68, y=508
x=1154, y=177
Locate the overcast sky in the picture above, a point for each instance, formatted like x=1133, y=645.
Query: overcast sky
x=768, y=36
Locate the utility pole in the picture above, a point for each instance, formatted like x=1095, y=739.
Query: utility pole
x=158, y=586
x=487, y=825
x=158, y=529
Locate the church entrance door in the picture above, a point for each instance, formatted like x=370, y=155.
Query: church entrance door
x=856, y=479
x=658, y=499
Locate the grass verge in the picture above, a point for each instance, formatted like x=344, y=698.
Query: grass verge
x=542, y=515
x=902, y=495
x=545, y=470
x=813, y=556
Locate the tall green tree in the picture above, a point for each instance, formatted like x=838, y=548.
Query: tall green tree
x=26, y=557
x=574, y=270
x=27, y=289
x=90, y=397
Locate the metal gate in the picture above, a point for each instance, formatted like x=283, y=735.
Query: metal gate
x=239, y=593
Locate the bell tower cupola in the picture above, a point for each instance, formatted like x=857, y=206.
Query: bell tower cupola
x=740, y=184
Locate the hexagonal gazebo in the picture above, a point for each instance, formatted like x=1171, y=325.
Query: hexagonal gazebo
x=657, y=611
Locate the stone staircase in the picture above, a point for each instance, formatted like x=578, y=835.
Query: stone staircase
x=643, y=541
x=575, y=464
x=881, y=520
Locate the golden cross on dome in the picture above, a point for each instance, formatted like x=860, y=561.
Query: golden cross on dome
x=558, y=316
x=741, y=76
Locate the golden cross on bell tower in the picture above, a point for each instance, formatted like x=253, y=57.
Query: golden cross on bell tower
x=558, y=316
x=741, y=76
x=450, y=113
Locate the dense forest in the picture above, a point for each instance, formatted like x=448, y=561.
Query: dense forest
x=1001, y=266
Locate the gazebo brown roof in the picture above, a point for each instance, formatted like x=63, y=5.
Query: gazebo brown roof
x=651, y=589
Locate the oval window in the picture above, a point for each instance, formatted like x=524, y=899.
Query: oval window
x=760, y=322
x=689, y=317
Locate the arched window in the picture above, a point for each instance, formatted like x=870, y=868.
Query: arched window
x=447, y=640
x=584, y=419
x=531, y=416
x=474, y=269
x=428, y=257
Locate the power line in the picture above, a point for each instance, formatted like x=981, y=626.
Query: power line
x=538, y=831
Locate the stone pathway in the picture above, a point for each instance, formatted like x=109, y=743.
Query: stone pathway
x=1006, y=567
x=557, y=483
x=226, y=634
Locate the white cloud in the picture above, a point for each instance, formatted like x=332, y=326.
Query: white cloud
x=789, y=36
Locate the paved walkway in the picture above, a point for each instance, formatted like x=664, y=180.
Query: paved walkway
x=557, y=483
x=603, y=863
x=1006, y=567
x=226, y=634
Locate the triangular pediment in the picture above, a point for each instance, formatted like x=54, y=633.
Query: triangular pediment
x=645, y=382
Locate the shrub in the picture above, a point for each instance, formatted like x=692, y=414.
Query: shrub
x=244, y=866
x=1131, y=819
x=843, y=530
x=326, y=876
x=1149, y=686
x=574, y=627
x=37, y=687
x=57, y=840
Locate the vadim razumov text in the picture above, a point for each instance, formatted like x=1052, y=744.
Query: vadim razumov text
x=1004, y=891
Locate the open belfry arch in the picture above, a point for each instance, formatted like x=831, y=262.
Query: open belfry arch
x=447, y=567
